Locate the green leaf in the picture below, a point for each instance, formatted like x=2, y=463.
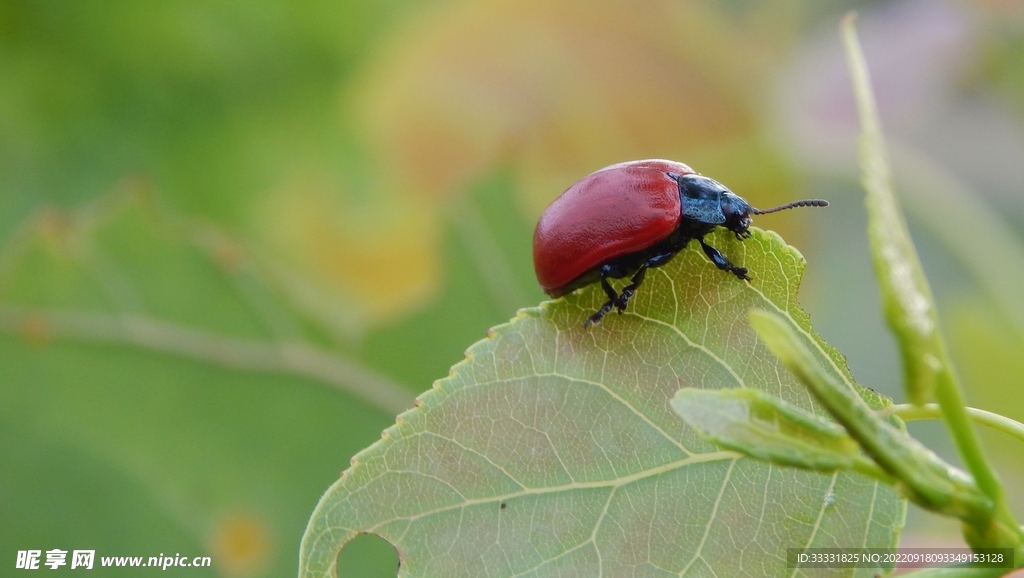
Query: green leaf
x=553, y=450
x=906, y=296
x=922, y=475
x=765, y=427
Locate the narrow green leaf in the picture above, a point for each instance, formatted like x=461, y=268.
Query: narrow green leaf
x=552, y=450
x=767, y=428
x=910, y=309
x=906, y=296
x=923, y=476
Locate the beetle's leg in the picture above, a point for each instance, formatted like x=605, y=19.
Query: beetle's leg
x=638, y=278
x=608, y=289
x=612, y=296
x=721, y=262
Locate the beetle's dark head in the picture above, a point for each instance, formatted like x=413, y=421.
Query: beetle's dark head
x=736, y=211
x=709, y=202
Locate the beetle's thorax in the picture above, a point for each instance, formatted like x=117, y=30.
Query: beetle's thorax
x=709, y=202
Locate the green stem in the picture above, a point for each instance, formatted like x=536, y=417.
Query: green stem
x=871, y=469
x=910, y=311
x=923, y=477
x=947, y=393
x=911, y=412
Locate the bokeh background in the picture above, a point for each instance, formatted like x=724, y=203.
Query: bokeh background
x=236, y=238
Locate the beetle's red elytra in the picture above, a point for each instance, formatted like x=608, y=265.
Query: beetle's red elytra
x=626, y=218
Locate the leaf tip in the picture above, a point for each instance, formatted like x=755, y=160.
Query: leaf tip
x=760, y=319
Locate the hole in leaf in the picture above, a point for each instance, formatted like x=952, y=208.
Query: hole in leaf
x=368, y=556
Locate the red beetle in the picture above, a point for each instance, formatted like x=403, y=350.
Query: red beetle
x=626, y=218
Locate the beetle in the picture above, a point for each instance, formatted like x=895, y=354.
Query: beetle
x=629, y=217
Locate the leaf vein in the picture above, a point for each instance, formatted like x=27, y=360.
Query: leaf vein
x=711, y=519
x=613, y=483
x=629, y=406
x=694, y=344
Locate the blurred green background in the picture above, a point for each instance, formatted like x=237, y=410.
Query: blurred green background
x=237, y=238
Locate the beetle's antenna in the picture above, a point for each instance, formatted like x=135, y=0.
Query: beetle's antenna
x=793, y=205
